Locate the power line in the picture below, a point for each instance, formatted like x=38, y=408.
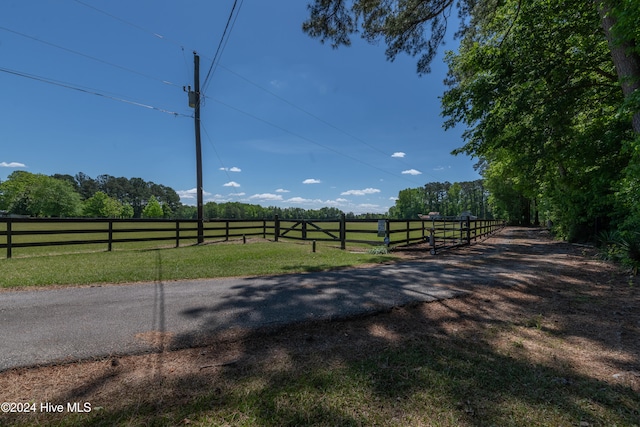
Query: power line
x=138, y=27
x=222, y=44
x=215, y=63
x=129, y=23
x=310, y=140
x=88, y=90
x=93, y=58
x=275, y=95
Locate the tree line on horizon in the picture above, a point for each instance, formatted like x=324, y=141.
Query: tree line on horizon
x=445, y=198
x=106, y=196
x=68, y=196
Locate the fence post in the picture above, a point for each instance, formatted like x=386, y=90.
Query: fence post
x=432, y=240
x=8, y=238
x=264, y=228
x=387, y=226
x=304, y=229
x=276, y=228
x=177, y=233
x=408, y=232
x=226, y=231
x=468, y=230
x=343, y=231
x=110, y=244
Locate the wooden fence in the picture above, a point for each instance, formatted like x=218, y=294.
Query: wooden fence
x=105, y=233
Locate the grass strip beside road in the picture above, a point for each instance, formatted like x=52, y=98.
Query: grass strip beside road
x=194, y=262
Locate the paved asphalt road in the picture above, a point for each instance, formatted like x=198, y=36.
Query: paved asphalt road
x=49, y=326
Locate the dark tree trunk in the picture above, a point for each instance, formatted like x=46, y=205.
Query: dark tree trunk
x=626, y=61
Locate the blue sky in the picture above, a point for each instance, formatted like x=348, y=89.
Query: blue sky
x=286, y=120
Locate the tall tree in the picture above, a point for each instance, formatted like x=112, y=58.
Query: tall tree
x=87, y=186
x=102, y=206
x=52, y=197
x=24, y=193
x=619, y=19
x=153, y=209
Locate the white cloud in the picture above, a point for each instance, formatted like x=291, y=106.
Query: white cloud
x=266, y=196
x=190, y=194
x=441, y=168
x=393, y=199
x=237, y=194
x=360, y=192
x=186, y=194
x=398, y=154
x=232, y=169
x=282, y=190
x=12, y=165
x=231, y=184
x=277, y=83
x=311, y=181
x=411, y=172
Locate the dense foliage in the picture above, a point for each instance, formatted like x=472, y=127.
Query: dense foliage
x=30, y=194
x=25, y=193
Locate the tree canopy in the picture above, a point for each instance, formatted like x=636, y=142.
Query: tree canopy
x=24, y=193
x=414, y=27
x=153, y=209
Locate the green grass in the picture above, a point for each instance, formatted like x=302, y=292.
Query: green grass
x=192, y=262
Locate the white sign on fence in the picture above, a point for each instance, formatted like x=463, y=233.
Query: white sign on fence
x=382, y=228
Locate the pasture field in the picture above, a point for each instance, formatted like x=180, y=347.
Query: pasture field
x=47, y=237
x=77, y=252
x=150, y=235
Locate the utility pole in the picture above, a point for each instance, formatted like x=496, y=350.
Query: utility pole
x=194, y=102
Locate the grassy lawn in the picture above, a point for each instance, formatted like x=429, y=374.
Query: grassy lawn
x=190, y=262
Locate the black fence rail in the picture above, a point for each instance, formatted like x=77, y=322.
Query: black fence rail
x=17, y=233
